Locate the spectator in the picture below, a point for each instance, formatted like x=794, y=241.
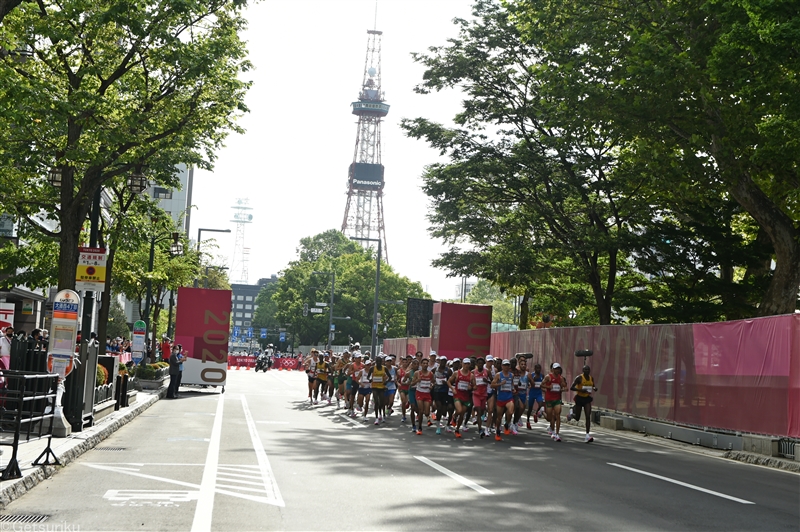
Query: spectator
x=175, y=372
x=5, y=348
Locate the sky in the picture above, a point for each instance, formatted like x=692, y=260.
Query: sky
x=291, y=164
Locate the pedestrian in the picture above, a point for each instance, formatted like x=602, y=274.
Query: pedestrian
x=5, y=348
x=175, y=370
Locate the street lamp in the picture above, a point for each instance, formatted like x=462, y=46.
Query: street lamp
x=176, y=245
x=330, y=309
x=205, y=281
x=137, y=183
x=54, y=177
x=377, y=287
x=199, y=237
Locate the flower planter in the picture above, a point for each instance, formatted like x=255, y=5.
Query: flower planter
x=152, y=384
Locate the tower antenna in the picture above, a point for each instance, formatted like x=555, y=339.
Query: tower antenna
x=363, y=214
x=241, y=254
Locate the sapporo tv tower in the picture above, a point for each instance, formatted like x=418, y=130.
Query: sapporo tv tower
x=363, y=215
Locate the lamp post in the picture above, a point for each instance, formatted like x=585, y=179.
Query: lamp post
x=199, y=233
x=330, y=308
x=176, y=248
x=377, y=287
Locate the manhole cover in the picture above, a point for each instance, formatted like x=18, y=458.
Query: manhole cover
x=109, y=448
x=23, y=518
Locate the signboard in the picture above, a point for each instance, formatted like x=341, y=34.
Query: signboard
x=63, y=332
x=321, y=304
x=249, y=332
x=333, y=326
x=201, y=326
x=6, y=314
x=461, y=330
x=305, y=309
x=314, y=310
x=91, y=272
x=366, y=176
x=263, y=333
x=138, y=343
x=282, y=337
x=237, y=331
x=27, y=307
x=6, y=225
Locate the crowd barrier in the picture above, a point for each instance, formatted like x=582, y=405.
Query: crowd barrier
x=740, y=376
x=249, y=362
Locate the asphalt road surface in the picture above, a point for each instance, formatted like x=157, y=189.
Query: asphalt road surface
x=260, y=457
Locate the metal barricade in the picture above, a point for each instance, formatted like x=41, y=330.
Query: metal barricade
x=26, y=414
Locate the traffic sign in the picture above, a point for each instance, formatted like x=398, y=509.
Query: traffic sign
x=315, y=310
x=263, y=333
x=237, y=331
x=283, y=337
x=333, y=326
x=249, y=332
x=321, y=304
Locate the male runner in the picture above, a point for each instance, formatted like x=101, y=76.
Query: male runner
x=491, y=395
x=364, y=387
x=410, y=381
x=535, y=400
x=554, y=385
x=583, y=386
x=402, y=386
x=441, y=399
x=462, y=383
x=378, y=377
x=423, y=380
x=504, y=384
x=391, y=386
x=520, y=391
x=322, y=369
x=311, y=371
x=481, y=381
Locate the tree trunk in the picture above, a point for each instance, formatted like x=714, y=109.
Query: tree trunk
x=6, y=6
x=524, y=312
x=68, y=251
x=602, y=297
x=781, y=295
x=105, y=303
x=155, y=306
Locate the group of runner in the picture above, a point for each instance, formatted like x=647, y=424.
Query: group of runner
x=489, y=392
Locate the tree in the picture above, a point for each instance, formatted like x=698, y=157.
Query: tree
x=6, y=6
x=111, y=88
x=117, y=323
x=713, y=82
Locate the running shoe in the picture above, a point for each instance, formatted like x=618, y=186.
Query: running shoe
x=464, y=428
x=433, y=417
x=535, y=417
x=483, y=433
x=448, y=428
x=419, y=432
x=403, y=420
x=383, y=419
x=430, y=422
x=458, y=434
x=377, y=422
x=316, y=402
x=514, y=430
x=413, y=428
x=358, y=408
x=329, y=401
x=529, y=424
x=506, y=432
x=570, y=415
x=497, y=437
x=439, y=430
x=549, y=431
x=557, y=438
x=589, y=438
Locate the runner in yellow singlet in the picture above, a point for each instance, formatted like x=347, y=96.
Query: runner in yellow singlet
x=378, y=377
x=584, y=387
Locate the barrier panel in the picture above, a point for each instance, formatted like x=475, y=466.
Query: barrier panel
x=740, y=376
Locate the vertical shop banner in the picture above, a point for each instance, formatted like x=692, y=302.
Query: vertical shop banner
x=461, y=330
x=202, y=327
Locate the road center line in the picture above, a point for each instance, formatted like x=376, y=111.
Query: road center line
x=458, y=478
x=205, y=502
x=270, y=484
x=684, y=484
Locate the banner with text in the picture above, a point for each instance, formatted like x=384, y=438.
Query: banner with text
x=202, y=327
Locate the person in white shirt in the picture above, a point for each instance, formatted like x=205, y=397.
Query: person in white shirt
x=5, y=348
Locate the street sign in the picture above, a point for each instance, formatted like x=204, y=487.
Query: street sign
x=283, y=337
x=237, y=331
x=314, y=310
x=305, y=309
x=63, y=332
x=91, y=271
x=321, y=304
x=249, y=332
x=333, y=326
x=137, y=346
x=263, y=333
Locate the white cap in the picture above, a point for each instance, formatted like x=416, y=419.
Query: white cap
x=506, y=361
x=556, y=365
x=489, y=357
x=357, y=355
x=456, y=360
x=441, y=357
x=433, y=353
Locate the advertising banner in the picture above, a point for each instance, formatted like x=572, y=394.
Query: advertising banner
x=461, y=330
x=91, y=272
x=202, y=326
x=6, y=314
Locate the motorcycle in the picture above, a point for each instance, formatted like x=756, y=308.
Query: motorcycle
x=261, y=363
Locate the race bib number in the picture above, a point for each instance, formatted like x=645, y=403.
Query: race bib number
x=375, y=378
x=463, y=385
x=506, y=386
x=439, y=381
x=480, y=381
x=537, y=385
x=587, y=388
x=556, y=388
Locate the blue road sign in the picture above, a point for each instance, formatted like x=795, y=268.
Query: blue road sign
x=283, y=337
x=249, y=332
x=263, y=333
x=237, y=330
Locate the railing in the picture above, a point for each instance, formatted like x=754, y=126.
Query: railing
x=26, y=414
x=103, y=393
x=786, y=447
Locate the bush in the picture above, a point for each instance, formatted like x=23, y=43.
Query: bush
x=147, y=372
x=122, y=369
x=162, y=364
x=102, y=375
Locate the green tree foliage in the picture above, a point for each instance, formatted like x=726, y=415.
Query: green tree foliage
x=117, y=324
x=707, y=87
x=485, y=293
x=100, y=89
x=282, y=302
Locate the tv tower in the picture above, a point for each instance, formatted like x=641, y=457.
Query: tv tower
x=241, y=254
x=363, y=215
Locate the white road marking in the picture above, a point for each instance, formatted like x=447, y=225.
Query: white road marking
x=458, y=478
x=205, y=502
x=270, y=484
x=281, y=380
x=158, y=495
x=684, y=484
x=273, y=422
x=355, y=423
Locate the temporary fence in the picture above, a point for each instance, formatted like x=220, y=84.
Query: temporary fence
x=26, y=414
x=741, y=376
x=249, y=362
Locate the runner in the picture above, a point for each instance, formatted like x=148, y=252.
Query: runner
x=402, y=385
x=441, y=399
x=480, y=393
x=504, y=384
x=341, y=378
x=423, y=380
x=410, y=381
x=364, y=387
x=391, y=386
x=491, y=395
x=351, y=387
x=378, y=376
x=535, y=393
x=322, y=369
x=520, y=391
x=311, y=371
x=583, y=386
x=462, y=383
x=553, y=386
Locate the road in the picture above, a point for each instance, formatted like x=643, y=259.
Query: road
x=260, y=457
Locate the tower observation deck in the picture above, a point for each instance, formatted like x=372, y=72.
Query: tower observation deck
x=363, y=214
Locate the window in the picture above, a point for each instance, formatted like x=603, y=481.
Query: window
x=248, y=307
x=248, y=298
x=238, y=323
x=239, y=305
x=162, y=193
x=239, y=298
x=248, y=315
x=238, y=314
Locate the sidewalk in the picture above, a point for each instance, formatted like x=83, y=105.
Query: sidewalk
x=69, y=448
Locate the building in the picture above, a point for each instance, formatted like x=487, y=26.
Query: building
x=243, y=301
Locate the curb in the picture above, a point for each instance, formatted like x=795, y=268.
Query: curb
x=15, y=489
x=762, y=460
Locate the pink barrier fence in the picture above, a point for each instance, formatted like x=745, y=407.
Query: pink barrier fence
x=740, y=376
x=249, y=362
x=407, y=346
